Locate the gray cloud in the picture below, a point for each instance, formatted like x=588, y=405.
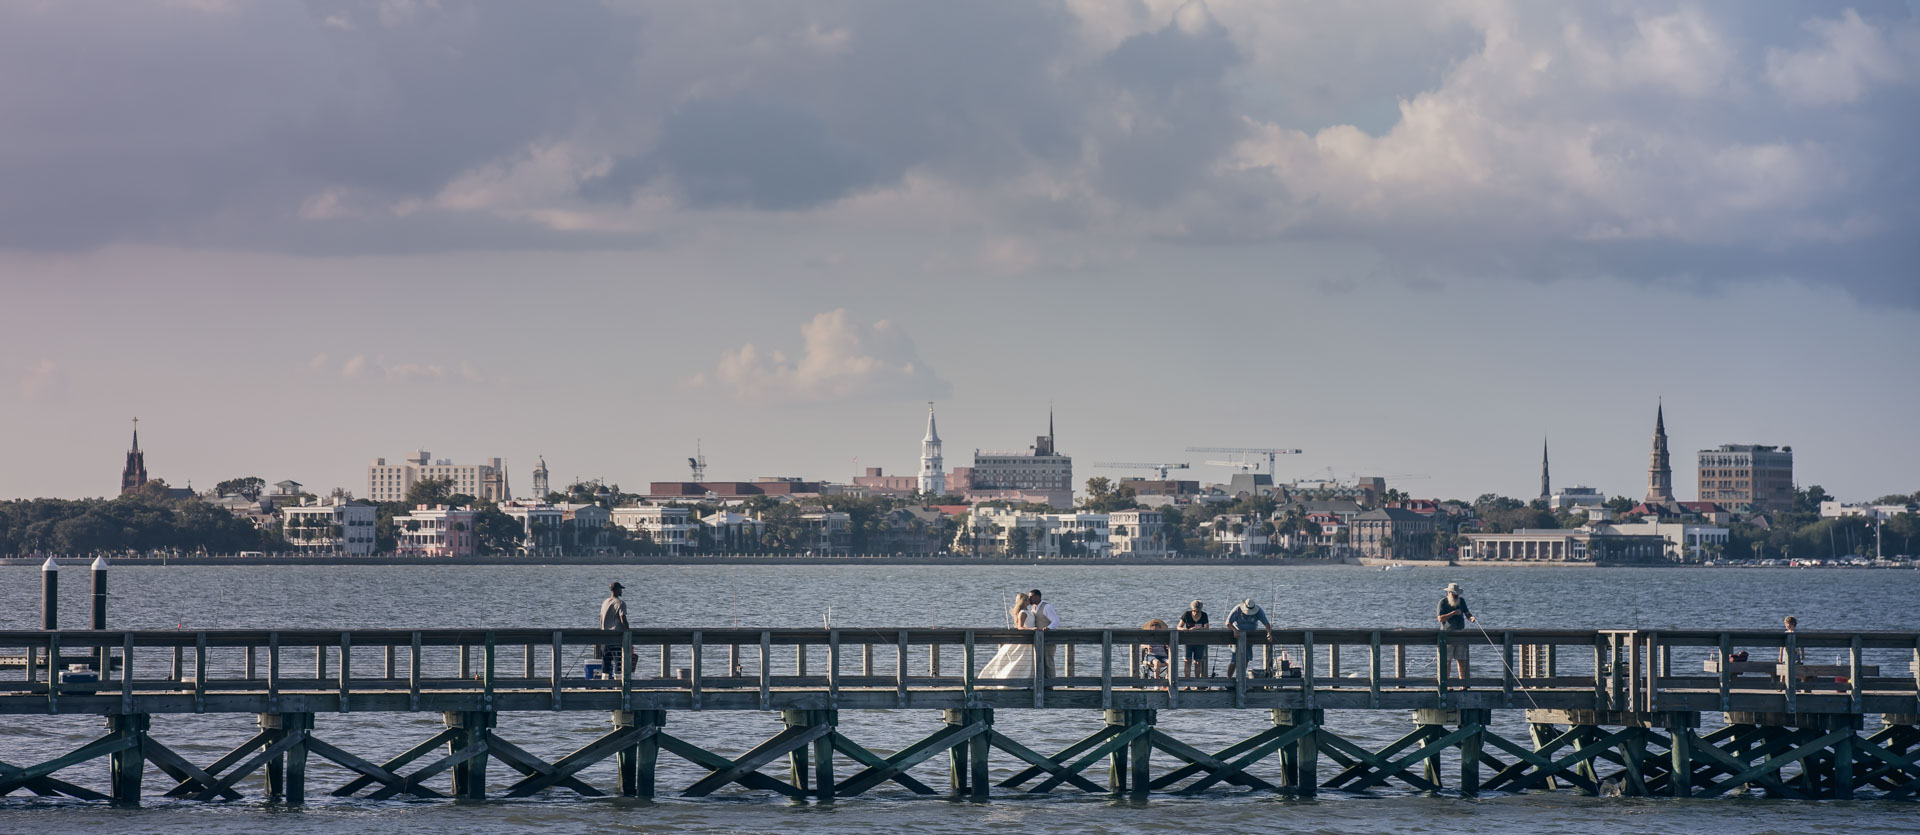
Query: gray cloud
x=1652, y=141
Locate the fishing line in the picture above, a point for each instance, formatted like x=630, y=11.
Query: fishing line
x=1503, y=663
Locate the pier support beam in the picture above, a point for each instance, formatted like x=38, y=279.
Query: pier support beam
x=287, y=771
x=1127, y=765
x=128, y=765
x=967, y=762
x=822, y=751
x=1300, y=760
x=637, y=763
x=468, y=729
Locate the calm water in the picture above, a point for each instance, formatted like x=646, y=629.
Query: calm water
x=398, y=597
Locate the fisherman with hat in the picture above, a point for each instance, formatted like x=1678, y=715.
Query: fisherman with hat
x=1244, y=618
x=1453, y=615
x=613, y=615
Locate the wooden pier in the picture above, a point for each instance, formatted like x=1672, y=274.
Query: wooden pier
x=1604, y=710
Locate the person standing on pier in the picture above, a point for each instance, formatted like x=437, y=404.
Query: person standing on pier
x=613, y=615
x=1244, y=618
x=1192, y=619
x=1453, y=616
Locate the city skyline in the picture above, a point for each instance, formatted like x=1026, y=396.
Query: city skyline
x=1407, y=239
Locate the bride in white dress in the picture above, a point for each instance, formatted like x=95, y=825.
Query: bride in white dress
x=1014, y=661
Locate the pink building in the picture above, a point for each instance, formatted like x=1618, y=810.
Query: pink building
x=436, y=531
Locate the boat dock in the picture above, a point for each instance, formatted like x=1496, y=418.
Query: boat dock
x=1604, y=710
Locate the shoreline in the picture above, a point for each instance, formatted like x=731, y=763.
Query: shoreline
x=673, y=560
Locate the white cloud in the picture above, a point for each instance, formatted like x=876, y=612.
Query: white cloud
x=838, y=360
x=360, y=366
x=353, y=368
x=1851, y=56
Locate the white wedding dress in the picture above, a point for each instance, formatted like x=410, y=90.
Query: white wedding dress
x=1014, y=661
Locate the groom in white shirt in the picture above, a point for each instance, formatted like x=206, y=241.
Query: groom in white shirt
x=1046, y=619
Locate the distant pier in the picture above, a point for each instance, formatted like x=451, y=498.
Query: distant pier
x=1607, y=710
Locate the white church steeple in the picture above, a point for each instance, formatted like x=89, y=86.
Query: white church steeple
x=933, y=471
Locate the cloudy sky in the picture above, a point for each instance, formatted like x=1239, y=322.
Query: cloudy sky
x=1410, y=238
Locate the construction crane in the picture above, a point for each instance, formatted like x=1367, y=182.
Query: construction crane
x=1159, y=470
x=1244, y=456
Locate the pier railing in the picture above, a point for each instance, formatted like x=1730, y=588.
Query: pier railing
x=1626, y=671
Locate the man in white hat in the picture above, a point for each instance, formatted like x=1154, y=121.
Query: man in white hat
x=1453, y=616
x=1244, y=618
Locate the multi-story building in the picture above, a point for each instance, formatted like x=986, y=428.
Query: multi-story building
x=1022, y=533
x=827, y=532
x=1872, y=512
x=1392, y=533
x=436, y=531
x=732, y=533
x=1562, y=545
x=1747, y=477
x=1137, y=533
x=1684, y=540
x=1240, y=533
x=1579, y=496
x=671, y=528
x=390, y=482
x=1040, y=474
x=333, y=528
x=584, y=526
x=539, y=526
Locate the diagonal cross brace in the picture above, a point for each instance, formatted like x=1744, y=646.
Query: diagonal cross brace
x=896, y=767
x=1113, y=743
x=1199, y=761
x=779, y=745
x=367, y=769
x=571, y=764
x=1042, y=764
x=1239, y=766
x=187, y=774
x=1401, y=765
x=1075, y=749
x=48, y=786
x=101, y=747
x=392, y=766
x=530, y=765
x=1365, y=760
x=477, y=749
x=1544, y=768
x=707, y=759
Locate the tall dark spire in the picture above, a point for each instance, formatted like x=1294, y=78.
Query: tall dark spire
x=1660, y=468
x=134, y=474
x=1546, y=483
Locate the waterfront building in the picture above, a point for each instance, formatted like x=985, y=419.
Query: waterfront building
x=1039, y=474
x=542, y=485
x=1022, y=533
x=1577, y=496
x=539, y=526
x=729, y=532
x=1660, y=468
x=330, y=528
x=436, y=531
x=1562, y=545
x=1747, y=477
x=1392, y=533
x=671, y=528
x=257, y=511
x=133, y=476
x=390, y=482
x=1239, y=533
x=1137, y=533
x=584, y=526
x=827, y=532
x=1684, y=540
x=1872, y=512
x=933, y=468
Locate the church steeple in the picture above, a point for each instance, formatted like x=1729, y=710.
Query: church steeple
x=1546, y=483
x=1660, y=468
x=541, y=485
x=134, y=475
x=933, y=470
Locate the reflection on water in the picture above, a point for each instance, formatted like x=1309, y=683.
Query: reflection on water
x=882, y=596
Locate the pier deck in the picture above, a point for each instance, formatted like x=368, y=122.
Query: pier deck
x=1602, y=706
